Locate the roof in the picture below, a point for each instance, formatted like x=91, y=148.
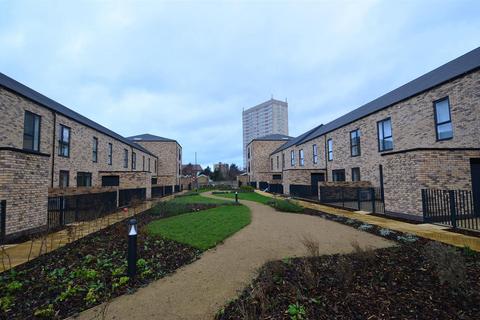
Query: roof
x=460, y=66
x=273, y=137
x=266, y=103
x=48, y=103
x=298, y=140
x=150, y=137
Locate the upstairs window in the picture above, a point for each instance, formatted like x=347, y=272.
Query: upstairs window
x=31, y=132
x=64, y=179
x=271, y=163
x=301, y=158
x=64, y=142
x=443, y=120
x=292, y=158
x=110, y=153
x=125, y=158
x=95, y=150
x=84, y=179
x=315, y=154
x=134, y=160
x=330, y=149
x=248, y=153
x=355, y=174
x=278, y=162
x=338, y=175
x=355, y=143
x=149, y=165
x=179, y=168
x=179, y=154
x=385, y=139
x=143, y=163
x=283, y=160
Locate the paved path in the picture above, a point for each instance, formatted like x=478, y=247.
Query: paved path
x=197, y=291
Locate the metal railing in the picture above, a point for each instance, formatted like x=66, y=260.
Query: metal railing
x=262, y=185
x=356, y=198
x=3, y=218
x=127, y=196
x=275, y=188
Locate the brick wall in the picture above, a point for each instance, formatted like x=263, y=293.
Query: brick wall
x=132, y=180
x=260, y=163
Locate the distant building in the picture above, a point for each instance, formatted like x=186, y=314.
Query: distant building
x=270, y=117
x=191, y=169
x=222, y=168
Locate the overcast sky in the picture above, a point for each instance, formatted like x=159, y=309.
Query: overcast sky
x=185, y=70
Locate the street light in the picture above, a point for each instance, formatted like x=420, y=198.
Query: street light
x=132, y=248
x=236, y=196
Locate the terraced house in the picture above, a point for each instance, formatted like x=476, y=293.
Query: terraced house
x=49, y=152
x=422, y=135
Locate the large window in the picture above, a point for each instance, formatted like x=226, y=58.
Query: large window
x=338, y=175
x=278, y=162
x=385, y=138
x=143, y=163
x=355, y=143
x=134, y=161
x=330, y=149
x=283, y=160
x=84, y=179
x=292, y=158
x=110, y=181
x=64, y=178
x=443, y=120
x=125, y=158
x=315, y=154
x=301, y=158
x=149, y=165
x=110, y=154
x=31, y=132
x=64, y=142
x=271, y=164
x=248, y=153
x=355, y=174
x=95, y=150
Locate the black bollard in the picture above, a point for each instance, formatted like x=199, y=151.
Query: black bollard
x=132, y=248
x=236, y=197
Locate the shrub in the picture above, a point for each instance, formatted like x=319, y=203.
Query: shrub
x=247, y=189
x=285, y=206
x=296, y=311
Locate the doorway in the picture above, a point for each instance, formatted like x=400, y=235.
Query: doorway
x=315, y=178
x=475, y=170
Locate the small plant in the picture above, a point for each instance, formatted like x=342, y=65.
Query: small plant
x=350, y=221
x=409, y=238
x=141, y=263
x=247, y=189
x=121, y=282
x=285, y=206
x=91, y=296
x=312, y=246
x=71, y=291
x=467, y=251
x=118, y=271
x=386, y=232
x=45, y=312
x=365, y=227
x=6, y=303
x=57, y=273
x=296, y=311
x=14, y=286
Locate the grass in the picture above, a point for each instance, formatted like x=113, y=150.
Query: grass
x=285, y=206
x=252, y=196
x=197, y=199
x=204, y=229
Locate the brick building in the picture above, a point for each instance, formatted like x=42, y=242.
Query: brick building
x=424, y=134
x=48, y=149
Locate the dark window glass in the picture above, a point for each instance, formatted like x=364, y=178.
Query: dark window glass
x=355, y=174
x=338, y=175
x=315, y=154
x=143, y=163
x=248, y=153
x=292, y=158
x=125, y=158
x=134, y=161
x=443, y=120
x=330, y=149
x=64, y=142
x=355, y=143
x=95, y=150
x=31, y=132
x=283, y=160
x=110, y=154
x=271, y=163
x=301, y=157
x=385, y=139
x=149, y=165
x=110, y=181
x=278, y=162
x=84, y=179
x=64, y=179
x=277, y=177
x=154, y=181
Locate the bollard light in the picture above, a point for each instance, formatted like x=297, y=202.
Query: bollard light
x=236, y=196
x=132, y=248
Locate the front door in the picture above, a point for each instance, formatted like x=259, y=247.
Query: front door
x=475, y=169
x=315, y=178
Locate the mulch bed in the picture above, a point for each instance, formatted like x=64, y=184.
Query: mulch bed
x=418, y=279
x=90, y=271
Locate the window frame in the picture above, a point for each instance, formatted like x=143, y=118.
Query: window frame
x=437, y=124
x=315, y=153
x=378, y=135
x=63, y=172
x=125, y=158
x=301, y=158
x=292, y=158
x=34, y=148
x=271, y=164
x=330, y=149
x=95, y=150
x=110, y=154
x=357, y=131
x=283, y=160
x=134, y=161
x=335, y=171
x=278, y=162
x=149, y=165
x=83, y=175
x=62, y=143
x=359, y=174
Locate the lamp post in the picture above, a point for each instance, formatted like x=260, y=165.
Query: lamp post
x=132, y=248
x=236, y=196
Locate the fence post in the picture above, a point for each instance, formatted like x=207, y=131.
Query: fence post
x=343, y=197
x=62, y=211
x=453, y=213
x=373, y=195
x=358, y=198
x=3, y=217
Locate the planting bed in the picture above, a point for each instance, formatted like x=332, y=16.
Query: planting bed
x=92, y=270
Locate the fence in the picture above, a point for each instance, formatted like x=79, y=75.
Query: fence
x=454, y=208
x=177, y=188
x=356, y=198
x=158, y=191
x=302, y=191
x=253, y=184
x=3, y=218
x=126, y=196
x=276, y=188
x=262, y=185
x=168, y=190
x=68, y=209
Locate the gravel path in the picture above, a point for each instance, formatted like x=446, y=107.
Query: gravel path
x=197, y=291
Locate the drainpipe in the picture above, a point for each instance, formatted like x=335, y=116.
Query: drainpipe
x=326, y=159
x=53, y=146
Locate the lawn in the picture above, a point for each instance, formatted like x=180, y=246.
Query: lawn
x=197, y=199
x=252, y=196
x=204, y=229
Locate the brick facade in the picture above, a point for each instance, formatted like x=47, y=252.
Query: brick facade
x=259, y=164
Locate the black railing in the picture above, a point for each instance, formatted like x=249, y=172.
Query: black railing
x=168, y=190
x=128, y=196
x=3, y=218
x=158, y=191
x=262, y=185
x=63, y=210
x=302, y=191
x=454, y=208
x=177, y=188
x=355, y=198
x=276, y=188
x=253, y=184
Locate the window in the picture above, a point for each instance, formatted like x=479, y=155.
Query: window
x=385, y=139
x=179, y=168
x=249, y=166
x=277, y=177
x=330, y=149
x=248, y=153
x=84, y=179
x=149, y=165
x=283, y=160
x=301, y=158
x=125, y=158
x=315, y=154
x=110, y=153
x=443, y=120
x=338, y=175
x=64, y=178
x=355, y=174
x=292, y=158
x=154, y=181
x=31, y=132
x=355, y=143
x=95, y=150
x=134, y=160
x=143, y=163
x=64, y=142
x=271, y=163
x=179, y=154
x=110, y=181
x=278, y=162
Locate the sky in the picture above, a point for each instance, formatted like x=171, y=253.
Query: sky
x=185, y=69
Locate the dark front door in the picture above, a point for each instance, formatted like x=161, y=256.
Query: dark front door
x=475, y=168
x=315, y=178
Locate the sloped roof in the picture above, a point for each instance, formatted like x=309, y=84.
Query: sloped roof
x=298, y=140
x=273, y=137
x=23, y=90
x=460, y=66
x=150, y=137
